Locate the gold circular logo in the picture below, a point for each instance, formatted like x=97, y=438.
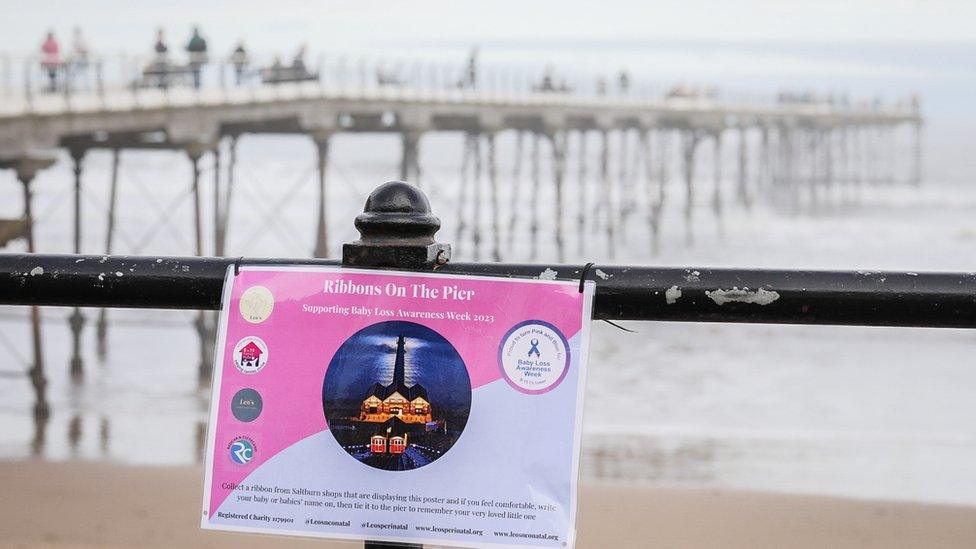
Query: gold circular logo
x=256, y=304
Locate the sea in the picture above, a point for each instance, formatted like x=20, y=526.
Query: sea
x=871, y=413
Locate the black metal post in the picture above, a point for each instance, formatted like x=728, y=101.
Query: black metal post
x=77, y=320
x=396, y=230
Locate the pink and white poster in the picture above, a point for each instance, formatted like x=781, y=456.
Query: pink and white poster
x=394, y=406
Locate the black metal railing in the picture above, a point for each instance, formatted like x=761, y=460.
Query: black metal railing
x=397, y=232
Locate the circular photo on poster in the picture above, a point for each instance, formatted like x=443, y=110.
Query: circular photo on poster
x=396, y=396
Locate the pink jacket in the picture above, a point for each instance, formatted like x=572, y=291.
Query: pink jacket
x=51, y=51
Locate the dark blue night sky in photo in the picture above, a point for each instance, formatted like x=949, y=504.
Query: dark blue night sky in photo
x=367, y=357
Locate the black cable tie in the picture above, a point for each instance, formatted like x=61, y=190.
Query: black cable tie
x=237, y=265
x=586, y=269
x=615, y=325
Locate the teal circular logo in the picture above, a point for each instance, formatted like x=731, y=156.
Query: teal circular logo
x=246, y=405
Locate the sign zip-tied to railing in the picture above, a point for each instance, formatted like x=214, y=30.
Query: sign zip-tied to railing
x=398, y=407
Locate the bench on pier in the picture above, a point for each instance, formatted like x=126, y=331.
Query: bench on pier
x=282, y=74
x=162, y=74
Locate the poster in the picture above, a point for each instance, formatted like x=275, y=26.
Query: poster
x=411, y=407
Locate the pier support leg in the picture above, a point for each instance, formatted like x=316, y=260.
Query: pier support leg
x=410, y=157
x=581, y=180
x=558, y=142
x=745, y=200
x=717, y=181
x=690, y=143
x=322, y=228
x=77, y=320
x=496, y=253
x=516, y=187
x=217, y=202
x=202, y=324
x=462, y=204
x=626, y=192
x=536, y=184
x=101, y=330
x=828, y=168
x=607, y=200
x=26, y=169
x=663, y=176
x=653, y=196
x=917, y=154
x=228, y=195
x=476, y=196
x=765, y=161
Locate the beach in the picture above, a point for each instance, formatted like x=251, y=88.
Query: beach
x=84, y=504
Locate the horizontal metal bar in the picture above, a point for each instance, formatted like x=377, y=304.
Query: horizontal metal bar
x=874, y=298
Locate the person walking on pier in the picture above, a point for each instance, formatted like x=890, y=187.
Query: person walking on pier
x=240, y=61
x=197, y=48
x=51, y=60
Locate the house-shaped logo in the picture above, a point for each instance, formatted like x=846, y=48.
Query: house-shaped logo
x=250, y=355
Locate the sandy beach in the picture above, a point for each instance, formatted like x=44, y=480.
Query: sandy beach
x=100, y=505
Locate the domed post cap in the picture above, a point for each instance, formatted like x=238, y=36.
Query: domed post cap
x=396, y=230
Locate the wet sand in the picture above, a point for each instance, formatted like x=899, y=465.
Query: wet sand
x=100, y=505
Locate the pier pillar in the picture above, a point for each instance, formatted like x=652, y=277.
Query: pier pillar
x=536, y=176
x=557, y=140
x=652, y=190
x=217, y=200
x=606, y=198
x=26, y=169
x=625, y=186
x=828, y=175
x=690, y=140
x=717, y=180
x=101, y=330
x=765, y=160
x=77, y=320
x=664, y=165
x=496, y=253
x=745, y=200
x=917, y=153
x=581, y=207
x=476, y=184
x=321, y=139
x=228, y=194
x=202, y=325
x=462, y=203
x=814, y=163
x=410, y=156
x=516, y=187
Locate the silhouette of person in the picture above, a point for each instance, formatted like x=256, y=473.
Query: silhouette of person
x=51, y=60
x=160, y=64
x=240, y=61
x=197, y=48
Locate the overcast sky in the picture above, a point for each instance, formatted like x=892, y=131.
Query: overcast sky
x=368, y=23
x=866, y=47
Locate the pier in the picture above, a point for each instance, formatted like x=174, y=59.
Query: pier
x=608, y=155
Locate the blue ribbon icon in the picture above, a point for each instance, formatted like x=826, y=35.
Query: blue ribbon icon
x=535, y=348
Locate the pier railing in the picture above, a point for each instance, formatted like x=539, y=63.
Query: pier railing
x=121, y=81
x=392, y=239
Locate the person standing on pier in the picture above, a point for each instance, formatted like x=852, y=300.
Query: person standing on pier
x=160, y=64
x=240, y=61
x=623, y=82
x=79, y=57
x=197, y=48
x=51, y=60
